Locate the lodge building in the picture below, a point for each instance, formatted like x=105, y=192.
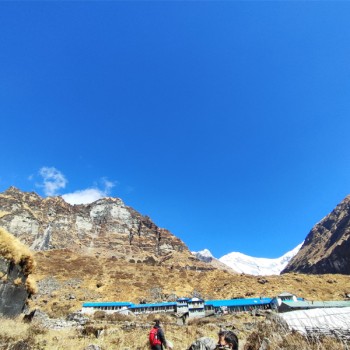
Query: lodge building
x=196, y=307
x=189, y=307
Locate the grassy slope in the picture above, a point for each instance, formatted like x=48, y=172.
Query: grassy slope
x=99, y=279
x=91, y=278
x=132, y=335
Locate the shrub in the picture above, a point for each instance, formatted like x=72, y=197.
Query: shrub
x=99, y=315
x=199, y=321
x=278, y=336
x=13, y=250
x=59, y=309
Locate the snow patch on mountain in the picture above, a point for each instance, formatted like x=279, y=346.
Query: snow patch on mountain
x=258, y=266
x=204, y=255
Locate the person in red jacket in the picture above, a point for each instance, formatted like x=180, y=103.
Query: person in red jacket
x=156, y=337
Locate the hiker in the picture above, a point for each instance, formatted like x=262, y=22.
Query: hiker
x=157, y=338
x=227, y=340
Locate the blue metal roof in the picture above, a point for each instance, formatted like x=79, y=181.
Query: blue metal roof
x=107, y=303
x=238, y=302
x=137, y=306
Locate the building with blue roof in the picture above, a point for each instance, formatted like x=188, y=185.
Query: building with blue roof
x=282, y=298
x=106, y=306
x=182, y=305
x=237, y=305
x=195, y=308
x=153, y=308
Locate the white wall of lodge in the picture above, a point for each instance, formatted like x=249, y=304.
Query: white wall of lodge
x=182, y=308
x=89, y=310
x=196, y=308
x=152, y=310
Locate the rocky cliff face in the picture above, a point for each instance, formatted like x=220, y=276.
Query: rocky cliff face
x=327, y=247
x=107, y=226
x=13, y=293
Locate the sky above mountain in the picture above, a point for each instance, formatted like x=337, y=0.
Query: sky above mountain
x=224, y=121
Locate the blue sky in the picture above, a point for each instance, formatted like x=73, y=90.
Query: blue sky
x=226, y=122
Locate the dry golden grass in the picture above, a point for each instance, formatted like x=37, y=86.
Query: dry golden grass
x=116, y=335
x=117, y=279
x=13, y=250
x=125, y=335
x=277, y=336
x=90, y=278
x=31, y=285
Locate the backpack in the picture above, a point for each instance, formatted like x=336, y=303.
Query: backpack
x=153, y=337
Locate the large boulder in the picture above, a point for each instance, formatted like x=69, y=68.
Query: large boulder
x=16, y=263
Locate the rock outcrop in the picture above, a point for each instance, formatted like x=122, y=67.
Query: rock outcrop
x=107, y=226
x=13, y=293
x=327, y=247
x=16, y=263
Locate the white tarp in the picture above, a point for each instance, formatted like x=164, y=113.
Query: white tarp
x=328, y=319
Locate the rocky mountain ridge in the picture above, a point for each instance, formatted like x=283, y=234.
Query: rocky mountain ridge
x=327, y=246
x=109, y=228
x=106, y=227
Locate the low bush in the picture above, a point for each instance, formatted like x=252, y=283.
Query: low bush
x=100, y=315
x=277, y=336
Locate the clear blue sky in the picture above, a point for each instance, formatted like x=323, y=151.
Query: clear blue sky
x=226, y=122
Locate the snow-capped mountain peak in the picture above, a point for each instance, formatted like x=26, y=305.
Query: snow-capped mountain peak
x=204, y=255
x=258, y=266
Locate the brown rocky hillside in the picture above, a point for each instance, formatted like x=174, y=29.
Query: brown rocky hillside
x=327, y=247
x=65, y=280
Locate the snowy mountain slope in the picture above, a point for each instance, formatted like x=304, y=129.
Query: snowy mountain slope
x=206, y=256
x=258, y=266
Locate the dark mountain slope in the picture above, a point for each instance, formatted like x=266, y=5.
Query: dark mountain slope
x=327, y=247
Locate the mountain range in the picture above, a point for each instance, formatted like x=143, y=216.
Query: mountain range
x=246, y=264
x=326, y=250
x=106, y=250
x=109, y=228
